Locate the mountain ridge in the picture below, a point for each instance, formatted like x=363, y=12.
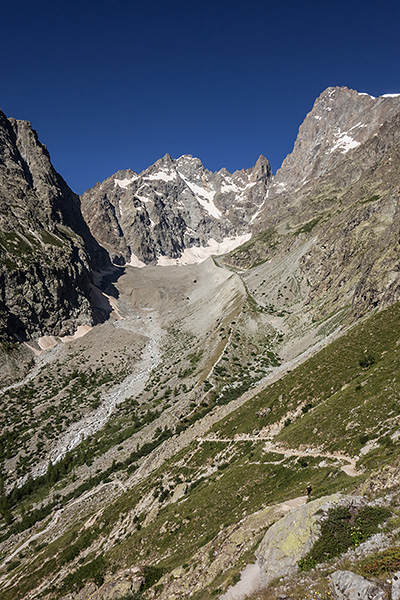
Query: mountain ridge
x=150, y=458
x=171, y=206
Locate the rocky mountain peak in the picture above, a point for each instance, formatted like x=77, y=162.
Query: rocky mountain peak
x=165, y=161
x=190, y=166
x=262, y=169
x=173, y=206
x=339, y=122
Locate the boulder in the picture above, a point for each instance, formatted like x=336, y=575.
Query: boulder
x=290, y=538
x=396, y=586
x=346, y=585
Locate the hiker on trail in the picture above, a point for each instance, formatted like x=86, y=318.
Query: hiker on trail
x=308, y=490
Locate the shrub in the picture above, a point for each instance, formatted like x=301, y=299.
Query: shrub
x=93, y=571
x=151, y=576
x=343, y=528
x=364, y=438
x=378, y=564
x=367, y=360
x=13, y=565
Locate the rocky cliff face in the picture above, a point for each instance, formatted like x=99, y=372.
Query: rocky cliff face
x=338, y=192
x=340, y=121
x=338, y=189
x=46, y=248
x=175, y=211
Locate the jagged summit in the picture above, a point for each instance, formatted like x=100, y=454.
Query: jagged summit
x=262, y=168
x=175, y=210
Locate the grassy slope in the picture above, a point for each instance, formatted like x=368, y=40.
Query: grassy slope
x=228, y=480
x=346, y=398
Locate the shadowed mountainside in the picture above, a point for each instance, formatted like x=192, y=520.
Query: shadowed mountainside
x=46, y=247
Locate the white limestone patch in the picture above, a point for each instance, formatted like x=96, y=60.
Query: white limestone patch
x=123, y=183
x=197, y=254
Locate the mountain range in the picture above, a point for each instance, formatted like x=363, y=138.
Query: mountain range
x=184, y=351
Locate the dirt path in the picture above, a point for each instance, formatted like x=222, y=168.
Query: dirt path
x=200, y=428
x=40, y=361
x=349, y=468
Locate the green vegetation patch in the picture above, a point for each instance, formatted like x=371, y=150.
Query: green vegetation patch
x=255, y=251
x=307, y=227
x=223, y=487
x=343, y=528
x=51, y=239
x=349, y=388
x=381, y=563
x=371, y=199
x=91, y=571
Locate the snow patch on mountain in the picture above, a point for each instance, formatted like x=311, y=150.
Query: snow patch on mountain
x=123, y=183
x=365, y=94
x=197, y=254
x=136, y=262
x=259, y=211
x=344, y=143
x=203, y=196
x=229, y=187
x=142, y=198
x=163, y=175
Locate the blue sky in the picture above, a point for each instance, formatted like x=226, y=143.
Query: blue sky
x=115, y=85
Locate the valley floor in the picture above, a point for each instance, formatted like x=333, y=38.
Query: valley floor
x=169, y=439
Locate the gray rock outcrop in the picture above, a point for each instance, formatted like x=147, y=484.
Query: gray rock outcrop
x=290, y=538
x=340, y=121
x=123, y=585
x=338, y=191
x=346, y=585
x=396, y=586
